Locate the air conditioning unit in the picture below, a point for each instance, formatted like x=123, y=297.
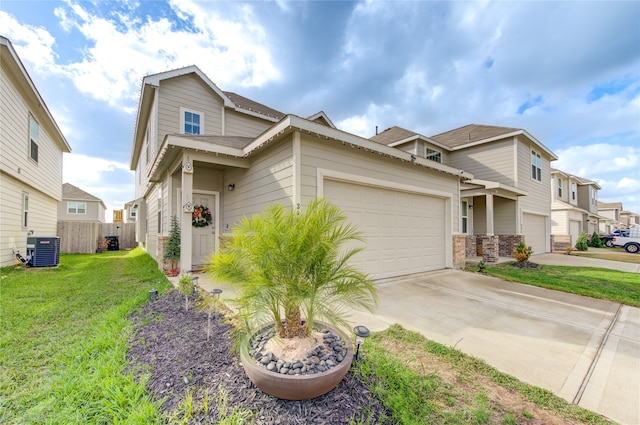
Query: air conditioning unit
x=43, y=251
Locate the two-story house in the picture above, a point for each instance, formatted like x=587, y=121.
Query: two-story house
x=574, y=205
x=629, y=219
x=78, y=205
x=611, y=213
x=210, y=157
x=31, y=149
x=508, y=199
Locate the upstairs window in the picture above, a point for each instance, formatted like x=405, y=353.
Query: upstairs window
x=33, y=138
x=536, y=166
x=191, y=122
x=76, y=207
x=594, y=197
x=432, y=155
x=132, y=212
x=573, y=191
x=559, y=188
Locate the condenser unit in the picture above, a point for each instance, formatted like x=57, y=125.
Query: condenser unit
x=43, y=251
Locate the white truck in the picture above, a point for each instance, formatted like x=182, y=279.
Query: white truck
x=630, y=243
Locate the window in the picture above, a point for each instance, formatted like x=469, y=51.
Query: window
x=594, y=197
x=76, y=207
x=132, y=212
x=160, y=211
x=146, y=146
x=559, y=188
x=33, y=138
x=432, y=155
x=464, y=213
x=25, y=210
x=573, y=191
x=536, y=166
x=191, y=123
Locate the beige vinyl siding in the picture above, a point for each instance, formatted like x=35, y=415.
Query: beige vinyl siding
x=268, y=180
x=504, y=216
x=538, y=199
x=46, y=174
x=238, y=124
x=41, y=220
x=332, y=155
x=479, y=215
x=559, y=222
x=490, y=161
x=189, y=92
x=94, y=212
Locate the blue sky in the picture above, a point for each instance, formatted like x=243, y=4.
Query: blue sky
x=568, y=72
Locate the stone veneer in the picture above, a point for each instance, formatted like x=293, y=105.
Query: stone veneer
x=459, y=251
x=560, y=243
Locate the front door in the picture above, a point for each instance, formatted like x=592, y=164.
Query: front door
x=203, y=226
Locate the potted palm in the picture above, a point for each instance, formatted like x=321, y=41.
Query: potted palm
x=292, y=270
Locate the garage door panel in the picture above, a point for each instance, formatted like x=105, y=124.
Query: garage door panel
x=534, y=229
x=404, y=232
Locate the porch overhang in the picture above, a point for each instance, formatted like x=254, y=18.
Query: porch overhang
x=477, y=187
x=218, y=150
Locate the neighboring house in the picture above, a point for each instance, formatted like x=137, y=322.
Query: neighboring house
x=31, y=149
x=574, y=205
x=130, y=212
x=78, y=205
x=611, y=211
x=629, y=219
x=509, y=197
x=210, y=157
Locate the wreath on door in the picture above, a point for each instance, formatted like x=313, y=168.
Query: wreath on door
x=201, y=216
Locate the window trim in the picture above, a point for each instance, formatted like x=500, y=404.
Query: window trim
x=34, y=142
x=25, y=210
x=464, y=218
x=560, y=188
x=536, y=165
x=183, y=111
x=574, y=191
x=76, y=208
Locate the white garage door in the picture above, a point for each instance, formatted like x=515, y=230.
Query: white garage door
x=404, y=232
x=534, y=230
x=574, y=231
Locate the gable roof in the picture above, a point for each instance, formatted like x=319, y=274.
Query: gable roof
x=249, y=105
x=11, y=59
x=581, y=181
x=322, y=118
x=74, y=193
x=610, y=205
x=395, y=136
x=476, y=134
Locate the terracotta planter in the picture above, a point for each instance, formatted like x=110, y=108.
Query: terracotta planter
x=298, y=387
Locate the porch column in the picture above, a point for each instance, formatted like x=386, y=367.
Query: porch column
x=489, y=208
x=185, y=221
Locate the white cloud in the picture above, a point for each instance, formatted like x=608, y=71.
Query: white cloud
x=34, y=44
x=601, y=158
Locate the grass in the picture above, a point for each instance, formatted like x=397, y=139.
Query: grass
x=422, y=382
x=64, y=340
x=607, y=284
x=63, y=358
x=613, y=254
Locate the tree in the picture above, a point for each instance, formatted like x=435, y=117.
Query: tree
x=293, y=262
x=172, y=250
x=596, y=242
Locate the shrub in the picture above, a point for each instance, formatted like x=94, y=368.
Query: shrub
x=522, y=252
x=581, y=244
x=595, y=241
x=185, y=284
x=172, y=250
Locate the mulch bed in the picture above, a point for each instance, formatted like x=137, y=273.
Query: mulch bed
x=170, y=346
x=525, y=265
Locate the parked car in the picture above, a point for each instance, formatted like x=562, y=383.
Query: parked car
x=630, y=242
x=608, y=239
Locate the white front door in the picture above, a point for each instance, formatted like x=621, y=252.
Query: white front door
x=203, y=226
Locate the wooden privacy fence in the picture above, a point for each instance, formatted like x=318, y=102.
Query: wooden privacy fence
x=80, y=237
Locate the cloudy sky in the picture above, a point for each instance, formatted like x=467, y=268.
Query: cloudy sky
x=568, y=72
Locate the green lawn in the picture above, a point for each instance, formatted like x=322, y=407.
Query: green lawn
x=605, y=284
x=64, y=340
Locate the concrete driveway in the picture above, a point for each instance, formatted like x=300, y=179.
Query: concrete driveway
x=587, y=351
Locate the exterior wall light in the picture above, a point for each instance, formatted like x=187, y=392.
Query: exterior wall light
x=216, y=293
x=231, y=187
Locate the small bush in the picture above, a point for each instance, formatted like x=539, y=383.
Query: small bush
x=522, y=253
x=581, y=244
x=595, y=241
x=185, y=284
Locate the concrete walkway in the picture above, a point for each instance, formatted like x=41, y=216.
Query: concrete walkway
x=585, y=350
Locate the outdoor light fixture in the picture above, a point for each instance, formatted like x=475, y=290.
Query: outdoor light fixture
x=216, y=293
x=362, y=333
x=231, y=187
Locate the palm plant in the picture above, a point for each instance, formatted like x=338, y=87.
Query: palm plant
x=291, y=265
